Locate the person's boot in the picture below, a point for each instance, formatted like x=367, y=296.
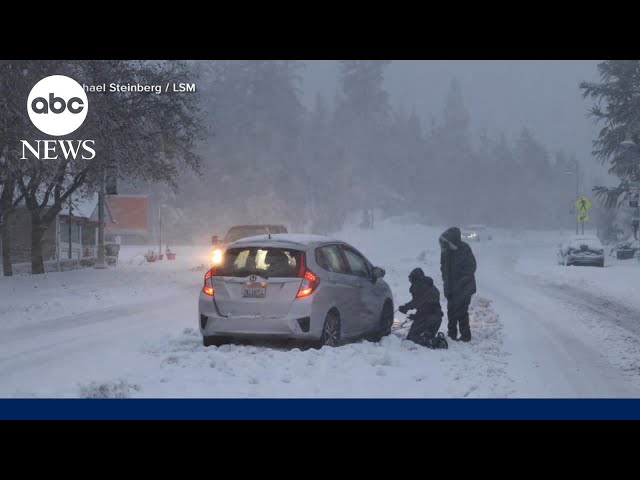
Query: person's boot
x=427, y=342
x=440, y=341
x=463, y=323
x=453, y=335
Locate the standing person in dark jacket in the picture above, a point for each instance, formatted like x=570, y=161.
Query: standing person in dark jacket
x=458, y=267
x=426, y=302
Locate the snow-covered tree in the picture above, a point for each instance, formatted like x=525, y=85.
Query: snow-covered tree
x=362, y=125
x=147, y=137
x=617, y=108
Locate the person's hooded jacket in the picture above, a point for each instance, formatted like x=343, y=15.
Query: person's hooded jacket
x=425, y=295
x=458, y=266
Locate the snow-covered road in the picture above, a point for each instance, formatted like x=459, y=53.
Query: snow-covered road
x=555, y=339
x=53, y=357
x=539, y=330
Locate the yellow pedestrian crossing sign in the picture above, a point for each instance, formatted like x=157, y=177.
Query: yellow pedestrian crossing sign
x=583, y=217
x=583, y=204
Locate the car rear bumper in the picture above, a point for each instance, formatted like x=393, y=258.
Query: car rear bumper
x=298, y=324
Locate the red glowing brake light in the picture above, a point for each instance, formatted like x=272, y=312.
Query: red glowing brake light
x=309, y=283
x=208, y=283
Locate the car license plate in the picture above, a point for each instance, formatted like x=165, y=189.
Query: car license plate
x=254, y=292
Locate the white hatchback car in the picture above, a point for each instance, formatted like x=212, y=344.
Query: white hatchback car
x=303, y=287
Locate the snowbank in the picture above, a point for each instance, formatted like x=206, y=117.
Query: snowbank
x=392, y=368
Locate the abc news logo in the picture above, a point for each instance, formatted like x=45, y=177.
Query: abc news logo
x=75, y=105
x=57, y=106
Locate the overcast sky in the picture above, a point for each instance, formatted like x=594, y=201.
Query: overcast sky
x=501, y=95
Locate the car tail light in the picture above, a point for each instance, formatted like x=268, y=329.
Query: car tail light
x=309, y=279
x=208, y=283
x=309, y=283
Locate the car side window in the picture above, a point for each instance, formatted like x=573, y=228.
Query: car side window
x=329, y=258
x=357, y=263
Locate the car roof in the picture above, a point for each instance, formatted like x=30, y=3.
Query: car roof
x=282, y=240
x=575, y=239
x=583, y=237
x=265, y=225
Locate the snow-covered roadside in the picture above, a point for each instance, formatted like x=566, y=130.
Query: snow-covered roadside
x=619, y=279
x=559, y=344
x=32, y=299
x=140, y=337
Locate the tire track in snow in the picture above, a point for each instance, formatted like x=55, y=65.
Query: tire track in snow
x=617, y=325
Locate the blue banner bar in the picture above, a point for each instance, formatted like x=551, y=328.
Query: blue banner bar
x=320, y=409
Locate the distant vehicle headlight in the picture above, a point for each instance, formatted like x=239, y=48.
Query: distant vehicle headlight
x=216, y=257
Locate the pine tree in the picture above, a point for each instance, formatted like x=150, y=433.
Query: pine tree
x=452, y=160
x=617, y=108
x=362, y=123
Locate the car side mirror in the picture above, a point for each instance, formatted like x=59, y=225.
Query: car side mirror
x=378, y=273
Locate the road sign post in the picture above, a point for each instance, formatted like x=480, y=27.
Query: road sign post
x=634, y=196
x=583, y=205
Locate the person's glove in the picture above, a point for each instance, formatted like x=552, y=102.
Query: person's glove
x=403, y=309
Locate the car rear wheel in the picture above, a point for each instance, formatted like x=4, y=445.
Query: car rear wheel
x=331, y=330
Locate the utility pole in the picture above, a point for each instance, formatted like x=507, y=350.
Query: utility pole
x=58, y=246
x=634, y=194
x=100, y=262
x=578, y=194
x=635, y=201
x=160, y=222
x=70, y=227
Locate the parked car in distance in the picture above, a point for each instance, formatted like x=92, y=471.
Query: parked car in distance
x=475, y=233
x=305, y=287
x=627, y=250
x=581, y=250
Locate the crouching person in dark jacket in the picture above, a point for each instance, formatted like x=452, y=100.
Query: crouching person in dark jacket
x=458, y=266
x=428, y=316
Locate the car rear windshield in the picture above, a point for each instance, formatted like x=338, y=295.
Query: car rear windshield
x=263, y=261
x=236, y=233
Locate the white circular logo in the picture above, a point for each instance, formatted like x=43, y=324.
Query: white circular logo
x=57, y=105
